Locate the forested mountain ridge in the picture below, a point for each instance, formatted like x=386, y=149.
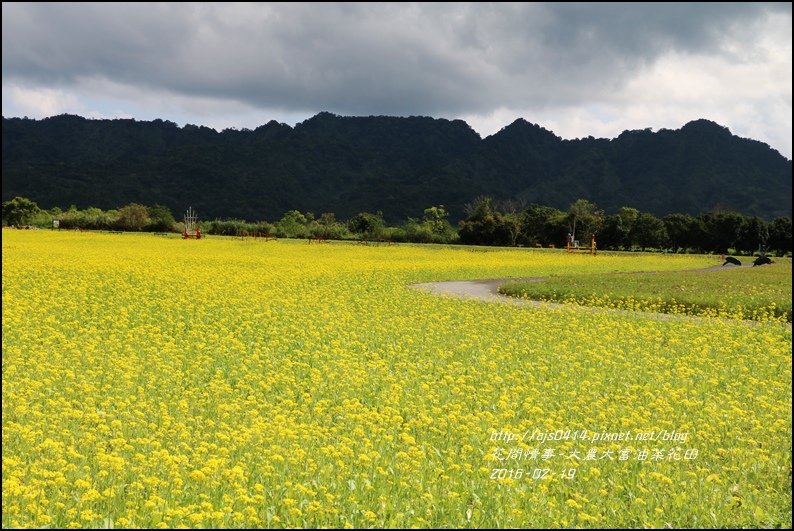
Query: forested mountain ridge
x=399, y=166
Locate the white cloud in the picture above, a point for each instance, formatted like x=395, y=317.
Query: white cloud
x=40, y=102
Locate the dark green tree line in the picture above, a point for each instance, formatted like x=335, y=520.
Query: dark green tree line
x=488, y=223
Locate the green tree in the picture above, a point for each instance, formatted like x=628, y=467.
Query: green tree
x=485, y=226
x=677, y=226
x=648, y=231
x=752, y=234
x=160, y=218
x=722, y=229
x=615, y=231
x=612, y=235
x=435, y=221
x=418, y=232
x=511, y=212
x=696, y=236
x=586, y=216
x=435, y=218
x=133, y=217
x=328, y=219
x=367, y=225
x=543, y=224
x=780, y=235
x=292, y=225
x=328, y=227
x=19, y=211
x=628, y=216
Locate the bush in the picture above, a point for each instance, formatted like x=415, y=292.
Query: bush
x=160, y=219
x=133, y=217
x=228, y=227
x=330, y=232
x=19, y=211
x=367, y=225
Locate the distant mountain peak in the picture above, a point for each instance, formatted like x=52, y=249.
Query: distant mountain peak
x=702, y=124
x=521, y=128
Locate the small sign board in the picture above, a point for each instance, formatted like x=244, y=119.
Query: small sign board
x=56, y=224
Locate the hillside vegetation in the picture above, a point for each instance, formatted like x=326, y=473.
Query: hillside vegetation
x=347, y=165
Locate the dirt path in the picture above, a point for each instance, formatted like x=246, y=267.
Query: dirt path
x=478, y=289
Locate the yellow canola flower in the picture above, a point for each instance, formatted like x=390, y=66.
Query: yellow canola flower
x=151, y=381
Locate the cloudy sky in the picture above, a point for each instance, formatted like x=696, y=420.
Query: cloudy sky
x=577, y=69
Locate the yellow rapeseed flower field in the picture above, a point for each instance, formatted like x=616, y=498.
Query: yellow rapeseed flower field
x=155, y=382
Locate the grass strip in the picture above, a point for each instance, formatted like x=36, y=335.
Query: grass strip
x=759, y=293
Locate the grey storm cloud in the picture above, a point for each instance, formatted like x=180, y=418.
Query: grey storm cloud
x=370, y=58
